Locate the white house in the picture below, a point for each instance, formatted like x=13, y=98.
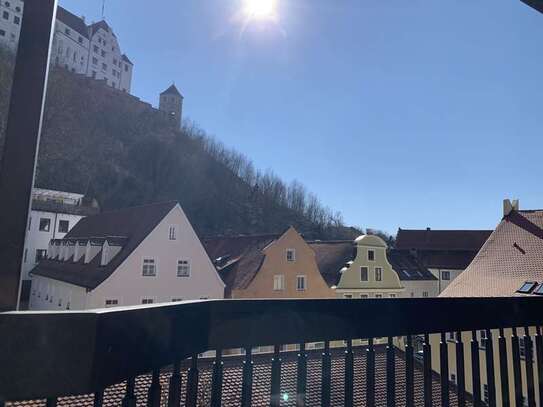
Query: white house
x=11, y=15
x=141, y=255
x=53, y=214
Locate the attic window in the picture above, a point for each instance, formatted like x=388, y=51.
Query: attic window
x=371, y=255
x=539, y=290
x=527, y=287
x=291, y=255
x=172, y=235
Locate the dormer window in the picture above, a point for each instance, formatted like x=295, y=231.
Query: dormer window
x=371, y=255
x=172, y=234
x=291, y=255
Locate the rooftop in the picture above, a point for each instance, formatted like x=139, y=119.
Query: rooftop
x=444, y=240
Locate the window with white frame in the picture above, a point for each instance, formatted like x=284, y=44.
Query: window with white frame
x=291, y=255
x=364, y=296
x=300, y=283
x=445, y=275
x=347, y=296
x=183, y=268
x=392, y=295
x=425, y=294
x=279, y=282
x=172, y=234
x=378, y=295
x=145, y=301
x=112, y=302
x=45, y=224
x=363, y=274
x=149, y=267
x=378, y=274
x=371, y=255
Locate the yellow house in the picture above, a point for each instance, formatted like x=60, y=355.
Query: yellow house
x=268, y=266
x=369, y=274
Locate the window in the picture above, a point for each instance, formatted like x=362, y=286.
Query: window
x=95, y=62
x=183, y=268
x=103, y=53
x=149, y=267
x=278, y=282
x=177, y=299
x=147, y=301
x=347, y=296
x=45, y=224
x=378, y=295
x=104, y=67
x=5, y=14
x=67, y=31
x=7, y=4
x=371, y=255
x=126, y=68
x=80, y=39
x=18, y=9
x=40, y=255
x=2, y=33
x=378, y=274
x=363, y=274
x=445, y=275
x=364, y=296
x=291, y=254
x=392, y=295
x=60, y=302
x=95, y=48
x=172, y=234
x=112, y=303
x=63, y=226
x=17, y=20
x=527, y=287
x=425, y=294
x=300, y=283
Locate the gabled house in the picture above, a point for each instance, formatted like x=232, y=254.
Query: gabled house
x=140, y=255
x=268, y=266
x=446, y=253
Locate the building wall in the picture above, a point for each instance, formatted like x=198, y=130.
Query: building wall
x=420, y=288
x=52, y=295
x=439, y=274
x=173, y=106
x=105, y=59
x=37, y=239
x=11, y=15
x=126, y=69
x=129, y=286
x=350, y=283
x=275, y=263
x=70, y=49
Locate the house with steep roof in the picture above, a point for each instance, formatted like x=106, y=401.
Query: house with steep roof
x=446, y=253
x=268, y=266
x=141, y=255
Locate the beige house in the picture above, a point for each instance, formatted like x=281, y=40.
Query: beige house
x=369, y=274
x=268, y=266
x=512, y=256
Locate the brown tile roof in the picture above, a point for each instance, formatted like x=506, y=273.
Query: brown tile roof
x=512, y=255
x=232, y=382
x=74, y=22
x=133, y=224
x=331, y=256
x=407, y=266
x=449, y=240
x=237, y=258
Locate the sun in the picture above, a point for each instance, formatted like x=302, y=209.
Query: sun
x=260, y=9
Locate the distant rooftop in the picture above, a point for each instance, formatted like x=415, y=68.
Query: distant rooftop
x=449, y=240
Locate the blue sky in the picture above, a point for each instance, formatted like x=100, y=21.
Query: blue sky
x=396, y=113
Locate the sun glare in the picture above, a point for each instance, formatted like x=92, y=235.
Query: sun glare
x=260, y=9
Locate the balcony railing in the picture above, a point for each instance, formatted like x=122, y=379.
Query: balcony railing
x=150, y=353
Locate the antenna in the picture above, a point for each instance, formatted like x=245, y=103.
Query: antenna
x=103, y=9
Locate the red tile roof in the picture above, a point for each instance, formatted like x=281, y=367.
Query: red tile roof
x=512, y=255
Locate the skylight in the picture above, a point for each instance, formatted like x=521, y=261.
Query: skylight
x=527, y=287
x=539, y=290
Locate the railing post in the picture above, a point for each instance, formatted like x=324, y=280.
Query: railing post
x=174, y=392
x=490, y=378
x=191, y=399
x=155, y=391
x=539, y=351
x=276, y=377
x=301, y=382
x=391, y=373
x=51, y=402
x=504, y=369
x=216, y=381
x=409, y=373
x=129, y=399
x=247, y=383
x=460, y=370
x=98, y=399
x=444, y=370
x=349, y=374
x=475, y=370
x=516, y=368
x=370, y=374
x=528, y=359
x=427, y=369
x=326, y=376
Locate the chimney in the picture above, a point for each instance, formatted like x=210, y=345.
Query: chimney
x=509, y=206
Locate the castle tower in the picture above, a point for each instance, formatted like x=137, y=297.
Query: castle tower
x=171, y=102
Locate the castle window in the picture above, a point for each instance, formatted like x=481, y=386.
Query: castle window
x=80, y=39
x=5, y=14
x=17, y=20
x=94, y=61
x=103, y=53
x=7, y=4
x=18, y=9
x=95, y=48
x=126, y=68
x=2, y=33
x=363, y=274
x=371, y=255
x=104, y=67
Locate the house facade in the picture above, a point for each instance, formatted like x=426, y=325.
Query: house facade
x=446, y=253
x=268, y=266
x=53, y=215
x=142, y=255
